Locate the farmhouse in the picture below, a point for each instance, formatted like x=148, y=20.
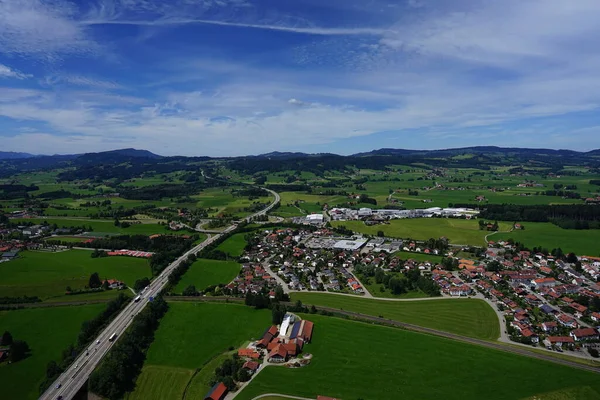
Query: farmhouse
x=278, y=355
x=217, y=392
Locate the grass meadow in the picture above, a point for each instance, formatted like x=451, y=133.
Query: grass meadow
x=204, y=273
x=190, y=336
x=458, y=231
x=47, y=274
x=234, y=245
x=47, y=331
x=357, y=360
x=468, y=317
x=550, y=236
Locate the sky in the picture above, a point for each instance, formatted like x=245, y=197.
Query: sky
x=238, y=77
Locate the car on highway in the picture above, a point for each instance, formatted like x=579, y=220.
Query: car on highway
x=59, y=386
x=98, y=341
x=76, y=365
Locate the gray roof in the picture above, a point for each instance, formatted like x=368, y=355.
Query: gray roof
x=10, y=254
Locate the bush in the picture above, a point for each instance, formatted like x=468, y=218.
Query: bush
x=593, y=352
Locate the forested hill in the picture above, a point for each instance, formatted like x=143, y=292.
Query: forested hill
x=470, y=157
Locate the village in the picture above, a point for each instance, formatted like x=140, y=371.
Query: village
x=540, y=299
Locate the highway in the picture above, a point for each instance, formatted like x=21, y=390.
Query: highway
x=72, y=380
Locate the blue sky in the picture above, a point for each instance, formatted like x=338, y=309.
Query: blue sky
x=235, y=77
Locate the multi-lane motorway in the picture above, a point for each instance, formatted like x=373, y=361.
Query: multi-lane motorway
x=70, y=382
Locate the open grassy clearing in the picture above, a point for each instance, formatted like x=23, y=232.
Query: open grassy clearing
x=151, y=383
x=100, y=227
x=200, y=383
x=234, y=245
x=223, y=201
x=550, y=236
x=204, y=273
x=46, y=274
x=47, y=331
x=192, y=335
x=374, y=289
x=356, y=360
x=468, y=317
x=106, y=295
x=458, y=231
x=422, y=257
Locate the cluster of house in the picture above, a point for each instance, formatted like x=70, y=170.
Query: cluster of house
x=368, y=214
x=449, y=284
x=538, y=293
x=130, y=253
x=253, y=278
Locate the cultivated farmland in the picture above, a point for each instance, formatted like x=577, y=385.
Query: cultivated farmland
x=387, y=363
x=46, y=274
x=47, y=331
x=458, y=231
x=190, y=335
x=468, y=317
x=204, y=273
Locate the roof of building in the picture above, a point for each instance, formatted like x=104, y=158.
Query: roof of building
x=251, y=365
x=217, y=392
x=561, y=339
x=583, y=332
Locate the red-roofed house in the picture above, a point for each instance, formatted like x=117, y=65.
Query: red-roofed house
x=217, y=392
x=251, y=365
x=595, y=316
x=278, y=355
x=585, y=334
x=249, y=353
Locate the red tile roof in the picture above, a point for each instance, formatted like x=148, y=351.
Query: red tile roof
x=217, y=392
x=251, y=365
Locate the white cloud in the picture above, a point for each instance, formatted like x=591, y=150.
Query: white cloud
x=44, y=29
x=80, y=80
x=7, y=72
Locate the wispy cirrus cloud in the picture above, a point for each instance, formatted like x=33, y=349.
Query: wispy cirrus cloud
x=42, y=29
x=79, y=80
x=7, y=72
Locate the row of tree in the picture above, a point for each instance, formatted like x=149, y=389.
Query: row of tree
x=119, y=370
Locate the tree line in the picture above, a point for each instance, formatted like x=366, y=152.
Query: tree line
x=117, y=373
x=572, y=216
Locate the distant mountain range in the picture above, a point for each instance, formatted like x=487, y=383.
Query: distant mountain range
x=10, y=155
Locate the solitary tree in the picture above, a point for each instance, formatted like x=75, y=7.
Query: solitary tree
x=95, y=281
x=7, y=339
x=190, y=291
x=18, y=350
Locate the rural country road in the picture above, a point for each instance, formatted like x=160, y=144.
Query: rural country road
x=416, y=328
x=70, y=382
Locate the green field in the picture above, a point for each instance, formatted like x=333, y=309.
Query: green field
x=46, y=274
x=222, y=201
x=47, y=331
x=550, y=236
x=458, y=231
x=354, y=360
x=151, y=383
x=420, y=257
x=101, y=227
x=204, y=273
x=190, y=336
x=468, y=317
x=234, y=245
